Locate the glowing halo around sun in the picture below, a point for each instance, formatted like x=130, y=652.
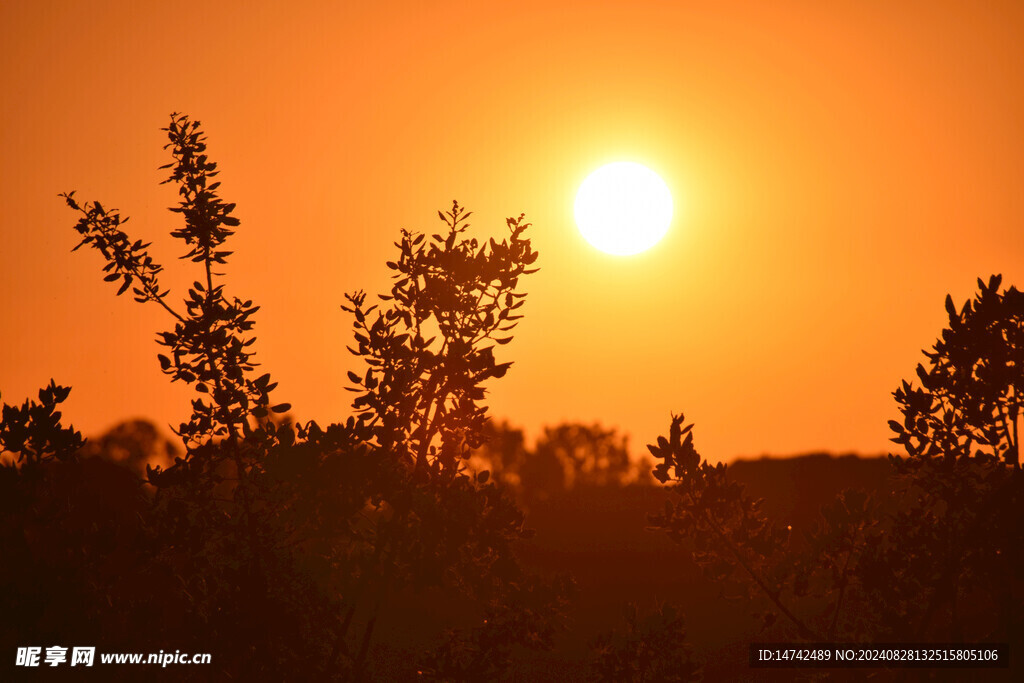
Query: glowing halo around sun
x=623, y=208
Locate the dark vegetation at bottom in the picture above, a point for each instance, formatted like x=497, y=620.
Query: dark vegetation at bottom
x=418, y=540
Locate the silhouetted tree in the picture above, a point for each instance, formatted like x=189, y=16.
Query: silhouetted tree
x=566, y=455
x=135, y=444
x=590, y=454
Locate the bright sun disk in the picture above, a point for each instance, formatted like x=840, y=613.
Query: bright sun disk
x=623, y=208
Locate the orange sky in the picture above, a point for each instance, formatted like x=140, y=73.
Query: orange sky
x=837, y=168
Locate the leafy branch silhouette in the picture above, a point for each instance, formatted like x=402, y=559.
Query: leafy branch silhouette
x=969, y=399
x=422, y=394
x=33, y=432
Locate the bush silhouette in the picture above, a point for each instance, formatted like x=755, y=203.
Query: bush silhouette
x=970, y=398
x=32, y=433
x=285, y=547
x=937, y=558
x=956, y=539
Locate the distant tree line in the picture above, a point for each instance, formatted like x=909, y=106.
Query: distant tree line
x=565, y=456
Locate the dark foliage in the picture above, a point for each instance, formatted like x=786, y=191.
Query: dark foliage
x=282, y=548
x=970, y=395
x=956, y=539
x=938, y=558
x=649, y=648
x=729, y=535
x=33, y=432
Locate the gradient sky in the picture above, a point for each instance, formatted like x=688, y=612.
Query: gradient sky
x=837, y=168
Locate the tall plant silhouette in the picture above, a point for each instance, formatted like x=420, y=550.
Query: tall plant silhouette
x=428, y=349
x=207, y=348
x=218, y=517
x=956, y=539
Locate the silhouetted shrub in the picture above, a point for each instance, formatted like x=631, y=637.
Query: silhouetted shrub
x=282, y=547
x=951, y=566
x=939, y=559
x=970, y=395
x=32, y=432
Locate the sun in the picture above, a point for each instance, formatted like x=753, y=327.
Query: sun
x=623, y=208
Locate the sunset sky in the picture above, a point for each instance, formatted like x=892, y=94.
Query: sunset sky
x=837, y=168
